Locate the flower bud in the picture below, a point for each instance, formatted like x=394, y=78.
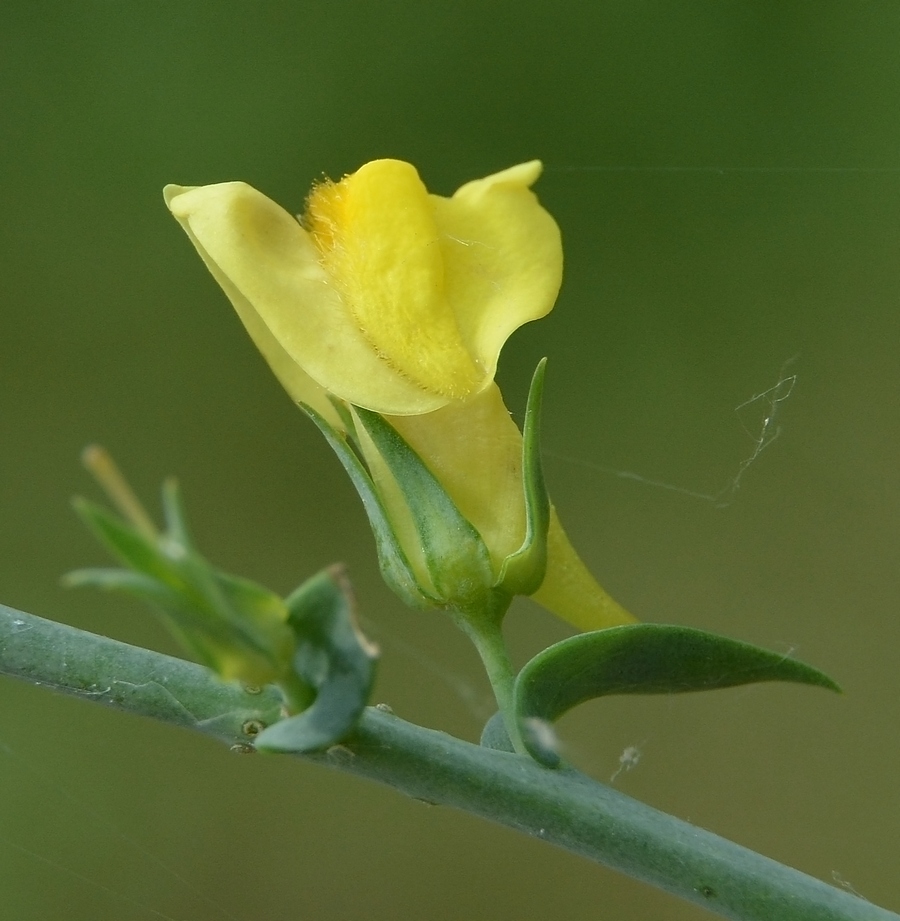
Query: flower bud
x=383, y=312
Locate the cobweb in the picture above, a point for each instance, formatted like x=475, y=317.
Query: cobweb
x=762, y=436
x=763, y=430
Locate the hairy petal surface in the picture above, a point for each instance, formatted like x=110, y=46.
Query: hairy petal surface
x=379, y=244
x=258, y=251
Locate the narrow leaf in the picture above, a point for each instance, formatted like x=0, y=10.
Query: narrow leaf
x=126, y=543
x=173, y=511
x=642, y=659
x=334, y=658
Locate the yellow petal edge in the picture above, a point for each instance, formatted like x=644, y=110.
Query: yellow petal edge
x=393, y=299
x=400, y=301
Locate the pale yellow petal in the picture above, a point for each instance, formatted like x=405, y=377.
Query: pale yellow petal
x=571, y=592
x=475, y=450
x=267, y=258
x=502, y=259
x=379, y=244
x=299, y=385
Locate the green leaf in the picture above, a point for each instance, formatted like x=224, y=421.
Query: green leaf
x=456, y=556
x=334, y=658
x=395, y=567
x=124, y=580
x=127, y=544
x=173, y=512
x=495, y=736
x=640, y=659
x=523, y=571
x=230, y=624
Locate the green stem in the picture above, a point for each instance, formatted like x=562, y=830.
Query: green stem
x=562, y=807
x=487, y=635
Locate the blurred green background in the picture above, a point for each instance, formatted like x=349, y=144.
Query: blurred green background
x=727, y=179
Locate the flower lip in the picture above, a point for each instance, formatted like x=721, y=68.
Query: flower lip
x=269, y=267
x=491, y=261
x=409, y=311
x=380, y=247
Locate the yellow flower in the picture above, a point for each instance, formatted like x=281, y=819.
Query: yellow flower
x=398, y=301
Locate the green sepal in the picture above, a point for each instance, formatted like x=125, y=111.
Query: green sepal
x=456, y=557
x=639, y=659
x=333, y=658
x=395, y=567
x=344, y=414
x=232, y=625
x=523, y=571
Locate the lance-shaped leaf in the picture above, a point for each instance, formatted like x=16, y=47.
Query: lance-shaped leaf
x=639, y=659
x=333, y=657
x=232, y=625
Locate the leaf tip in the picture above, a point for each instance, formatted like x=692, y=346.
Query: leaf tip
x=541, y=740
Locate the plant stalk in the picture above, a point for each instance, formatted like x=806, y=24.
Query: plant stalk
x=487, y=636
x=564, y=808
